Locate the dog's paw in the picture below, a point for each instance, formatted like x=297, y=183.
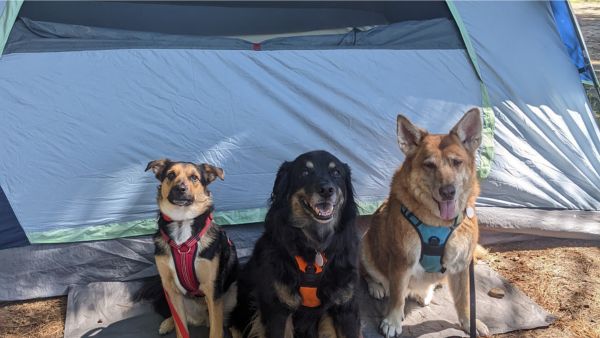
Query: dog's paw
x=391, y=327
x=166, y=326
x=377, y=290
x=482, y=329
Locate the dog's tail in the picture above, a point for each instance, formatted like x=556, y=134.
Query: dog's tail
x=152, y=291
x=480, y=252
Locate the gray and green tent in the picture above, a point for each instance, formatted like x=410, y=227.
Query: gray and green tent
x=90, y=92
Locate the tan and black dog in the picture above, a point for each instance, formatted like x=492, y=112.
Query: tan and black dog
x=196, y=261
x=427, y=229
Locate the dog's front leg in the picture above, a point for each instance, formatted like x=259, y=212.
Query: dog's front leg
x=459, y=287
x=215, y=316
x=175, y=297
x=346, y=319
x=391, y=325
x=278, y=323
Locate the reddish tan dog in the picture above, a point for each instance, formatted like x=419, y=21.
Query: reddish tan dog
x=427, y=228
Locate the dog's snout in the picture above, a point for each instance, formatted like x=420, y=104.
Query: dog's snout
x=326, y=190
x=447, y=192
x=181, y=187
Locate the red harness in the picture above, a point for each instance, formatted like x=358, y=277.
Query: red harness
x=184, y=256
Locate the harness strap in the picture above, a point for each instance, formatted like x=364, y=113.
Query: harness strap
x=309, y=281
x=433, y=240
x=184, y=256
x=180, y=325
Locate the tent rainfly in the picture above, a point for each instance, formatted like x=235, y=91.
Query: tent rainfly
x=92, y=91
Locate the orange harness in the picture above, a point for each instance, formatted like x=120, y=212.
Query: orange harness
x=309, y=281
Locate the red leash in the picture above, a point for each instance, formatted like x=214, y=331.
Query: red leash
x=180, y=325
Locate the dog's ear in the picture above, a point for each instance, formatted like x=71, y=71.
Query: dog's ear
x=157, y=167
x=350, y=208
x=280, y=187
x=212, y=172
x=409, y=135
x=468, y=130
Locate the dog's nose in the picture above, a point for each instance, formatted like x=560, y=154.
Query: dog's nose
x=447, y=192
x=180, y=187
x=326, y=190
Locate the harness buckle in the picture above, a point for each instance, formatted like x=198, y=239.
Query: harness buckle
x=184, y=248
x=434, y=241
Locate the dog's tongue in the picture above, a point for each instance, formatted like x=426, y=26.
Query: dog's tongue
x=447, y=210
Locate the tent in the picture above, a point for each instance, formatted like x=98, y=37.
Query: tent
x=92, y=91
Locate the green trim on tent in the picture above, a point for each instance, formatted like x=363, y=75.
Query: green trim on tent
x=148, y=226
x=7, y=20
x=487, y=144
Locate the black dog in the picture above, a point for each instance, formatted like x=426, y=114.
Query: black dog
x=302, y=277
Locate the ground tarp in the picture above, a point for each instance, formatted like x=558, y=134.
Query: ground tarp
x=106, y=310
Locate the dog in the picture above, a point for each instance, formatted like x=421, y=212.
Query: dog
x=427, y=228
x=196, y=261
x=302, y=277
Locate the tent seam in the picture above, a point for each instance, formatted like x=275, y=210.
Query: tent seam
x=487, y=144
x=7, y=21
x=148, y=226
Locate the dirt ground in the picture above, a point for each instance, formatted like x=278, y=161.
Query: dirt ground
x=563, y=276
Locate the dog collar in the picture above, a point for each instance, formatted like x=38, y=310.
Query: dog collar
x=433, y=240
x=184, y=255
x=310, y=278
x=166, y=218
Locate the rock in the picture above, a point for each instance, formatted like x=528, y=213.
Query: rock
x=496, y=293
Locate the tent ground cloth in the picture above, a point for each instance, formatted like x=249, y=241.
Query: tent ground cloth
x=105, y=309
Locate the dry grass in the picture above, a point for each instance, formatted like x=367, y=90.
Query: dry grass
x=563, y=276
x=43, y=318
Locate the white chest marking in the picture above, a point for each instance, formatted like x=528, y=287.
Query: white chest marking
x=180, y=232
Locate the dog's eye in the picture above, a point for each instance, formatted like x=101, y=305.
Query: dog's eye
x=456, y=162
x=429, y=165
x=305, y=172
x=194, y=178
x=336, y=173
x=171, y=175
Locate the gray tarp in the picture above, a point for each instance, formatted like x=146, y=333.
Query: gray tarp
x=105, y=310
x=51, y=269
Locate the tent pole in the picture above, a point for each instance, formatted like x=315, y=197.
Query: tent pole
x=586, y=54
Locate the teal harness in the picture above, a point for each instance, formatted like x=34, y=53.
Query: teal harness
x=433, y=241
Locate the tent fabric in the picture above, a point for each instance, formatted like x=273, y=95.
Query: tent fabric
x=8, y=14
x=569, y=35
x=547, y=143
x=105, y=114
x=486, y=149
x=239, y=18
x=106, y=310
x=49, y=270
x=11, y=233
x=37, y=36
